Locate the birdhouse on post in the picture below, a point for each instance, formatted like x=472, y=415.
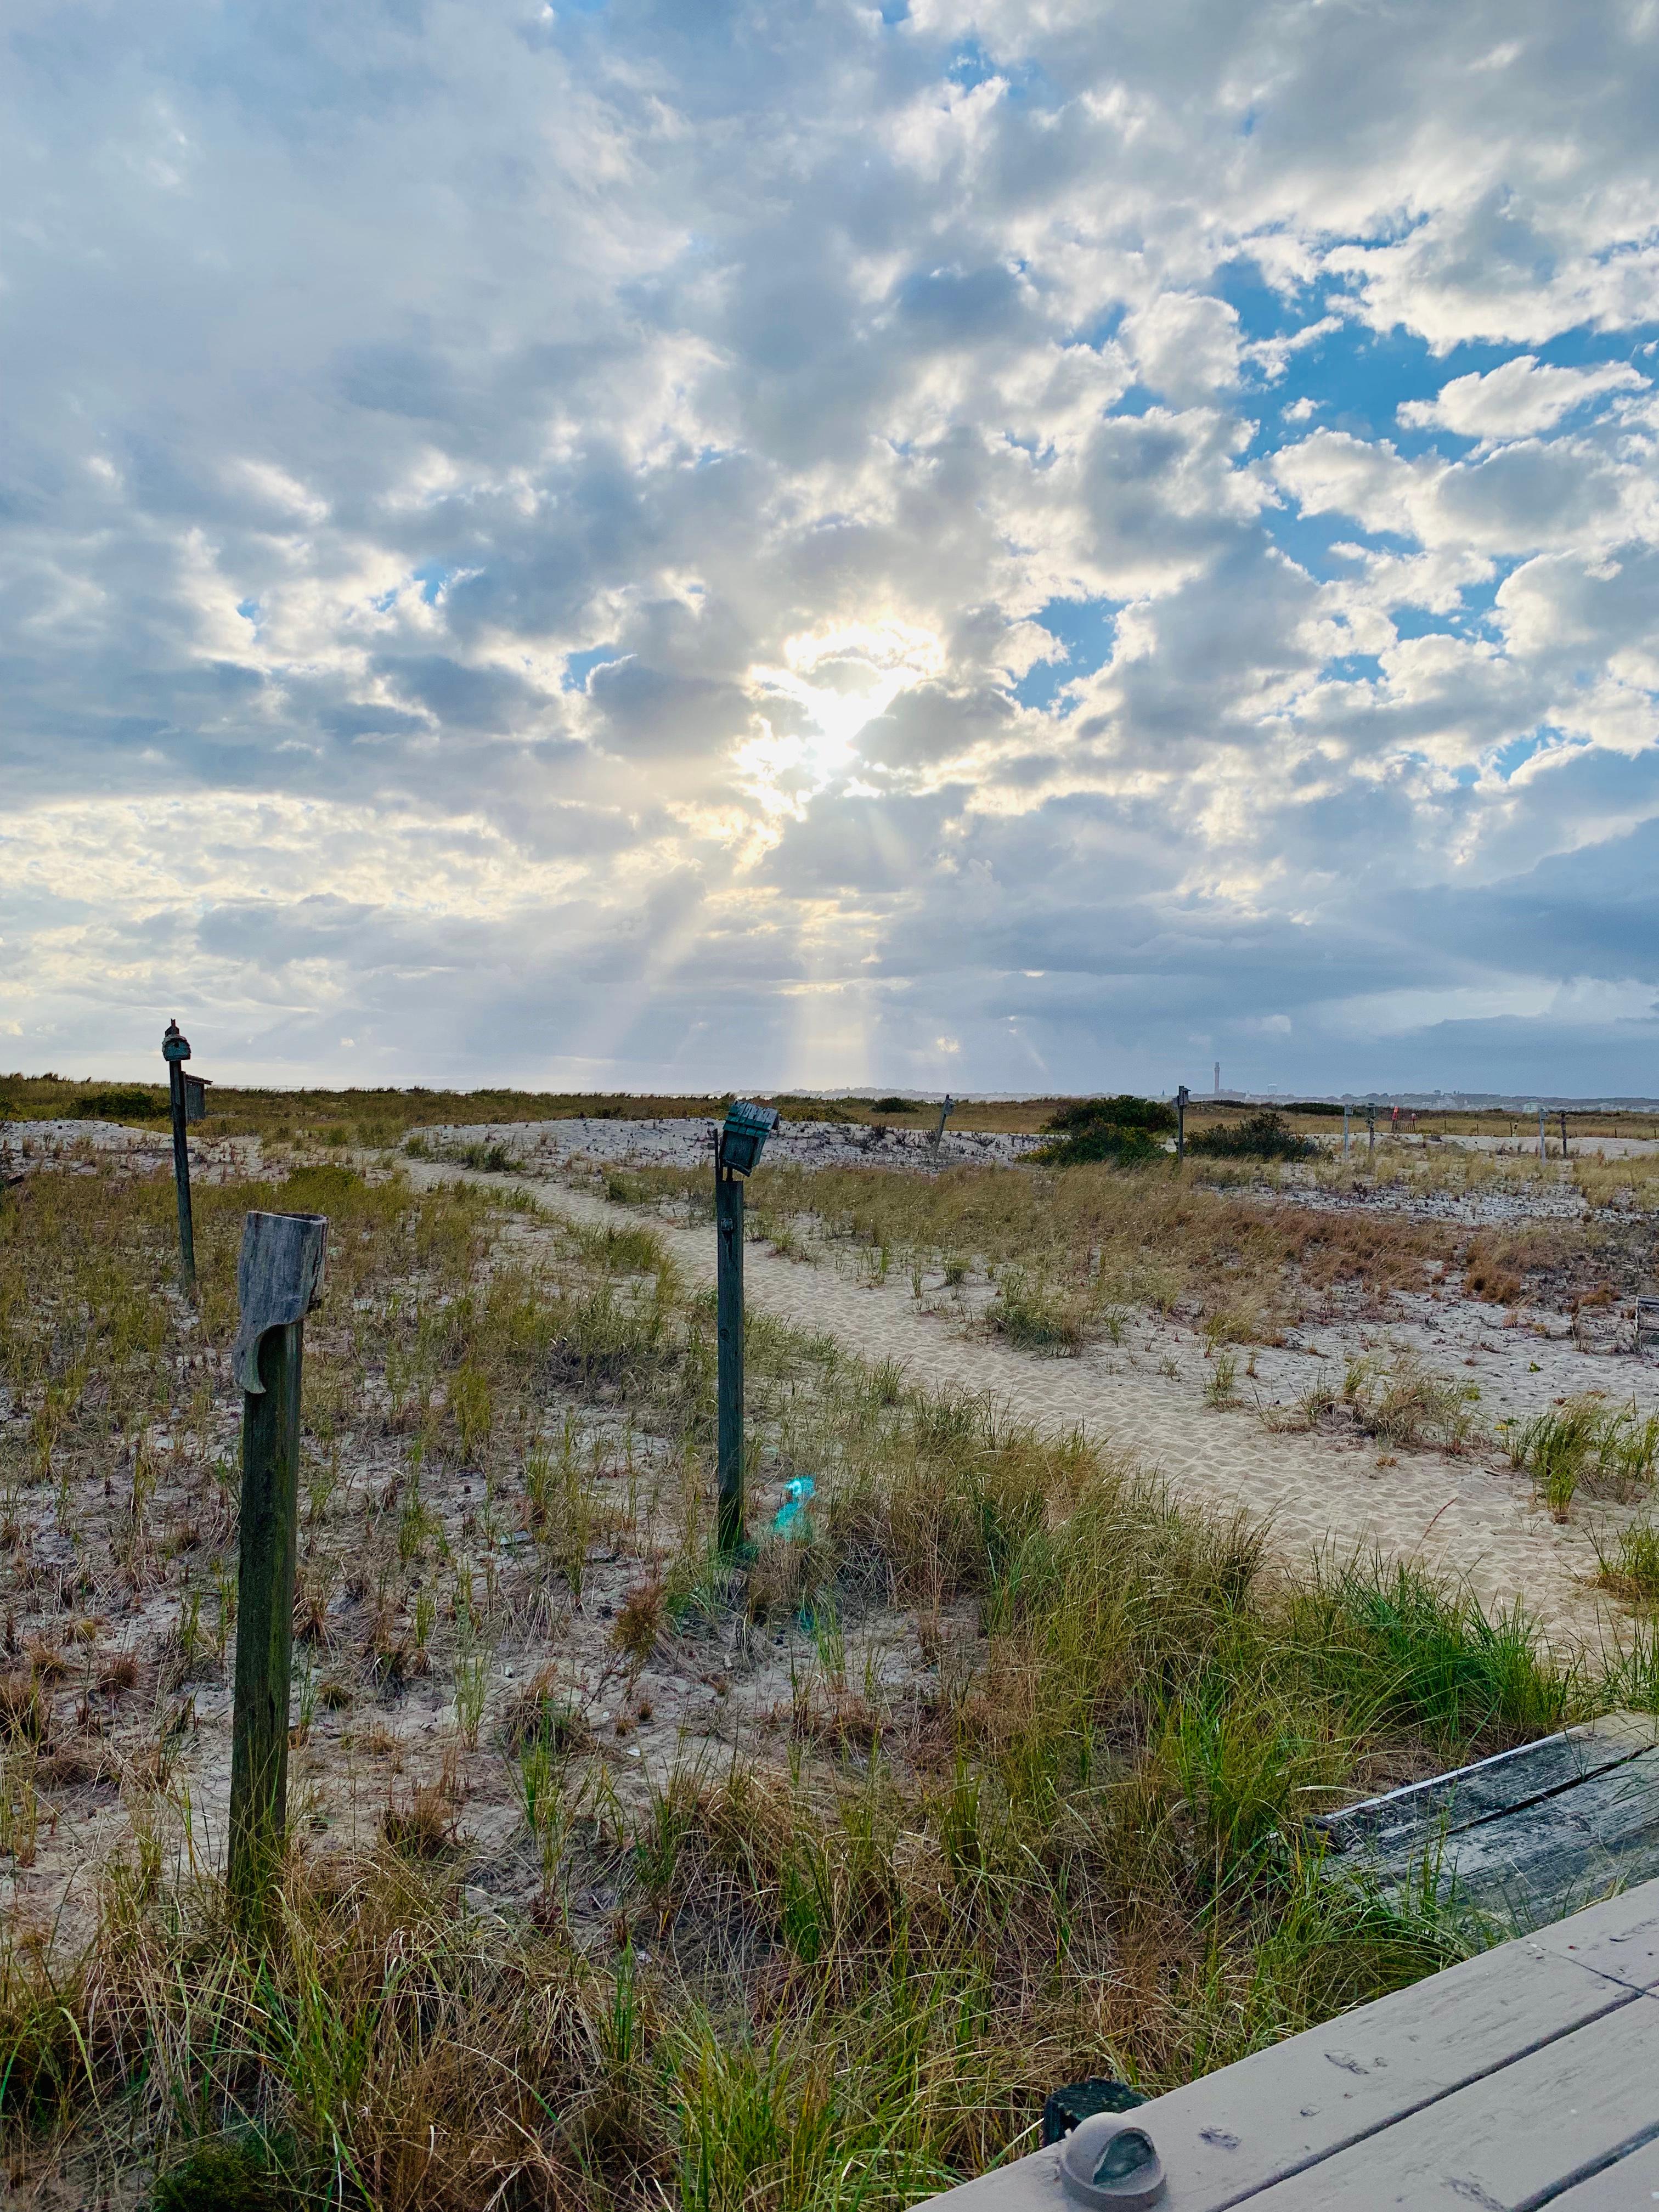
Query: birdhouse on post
x=739, y=1145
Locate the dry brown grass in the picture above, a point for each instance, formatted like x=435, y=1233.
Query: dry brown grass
x=1000, y=1781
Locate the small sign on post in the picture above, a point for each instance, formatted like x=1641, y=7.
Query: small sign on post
x=737, y=1148
x=175, y=1050
x=278, y=1280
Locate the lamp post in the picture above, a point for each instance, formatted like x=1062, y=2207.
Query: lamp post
x=738, y=1147
x=184, y=1093
x=1182, y=1097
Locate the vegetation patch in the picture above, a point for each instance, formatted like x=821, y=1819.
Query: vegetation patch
x=774, y=1884
x=1263, y=1136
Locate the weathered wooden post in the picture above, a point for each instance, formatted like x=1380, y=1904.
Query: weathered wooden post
x=1542, y=1150
x=278, y=1279
x=944, y=1113
x=1345, y=1129
x=175, y=1050
x=1564, y=1133
x=1370, y=1133
x=1182, y=1097
x=737, y=1148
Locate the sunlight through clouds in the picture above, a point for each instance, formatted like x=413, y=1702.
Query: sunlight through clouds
x=977, y=543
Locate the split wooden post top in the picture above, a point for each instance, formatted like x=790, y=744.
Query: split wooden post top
x=279, y=1278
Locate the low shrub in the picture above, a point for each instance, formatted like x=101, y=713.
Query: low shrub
x=122, y=1101
x=1124, y=1131
x=1263, y=1136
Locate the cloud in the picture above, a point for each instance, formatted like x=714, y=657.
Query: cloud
x=706, y=546
x=1517, y=399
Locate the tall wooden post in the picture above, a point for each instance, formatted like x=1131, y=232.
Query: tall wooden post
x=728, y=1245
x=1370, y=1133
x=1564, y=1133
x=278, y=1278
x=1344, y=1131
x=1542, y=1153
x=1182, y=1097
x=175, y=1050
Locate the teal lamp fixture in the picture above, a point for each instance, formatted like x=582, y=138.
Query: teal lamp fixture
x=743, y=1138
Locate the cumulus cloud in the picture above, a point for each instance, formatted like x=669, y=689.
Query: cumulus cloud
x=978, y=544
x=1517, y=399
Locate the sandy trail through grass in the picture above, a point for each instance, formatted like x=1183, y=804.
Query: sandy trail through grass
x=1447, y=1513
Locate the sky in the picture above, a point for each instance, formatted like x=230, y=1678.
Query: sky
x=666, y=544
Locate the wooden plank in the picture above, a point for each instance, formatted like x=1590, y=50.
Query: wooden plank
x=1512, y=2140
x=1549, y=1859
x=1619, y=1938
x=1243, y=2129
x=1627, y=2183
x=1393, y=1823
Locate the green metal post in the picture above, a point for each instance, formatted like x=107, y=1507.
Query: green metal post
x=728, y=1244
x=181, y=1176
x=265, y=1619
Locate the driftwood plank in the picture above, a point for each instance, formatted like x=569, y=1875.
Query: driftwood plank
x=1511, y=2141
x=1293, y=2107
x=1392, y=1826
x=1548, y=1859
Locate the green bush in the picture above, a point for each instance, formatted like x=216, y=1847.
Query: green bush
x=121, y=1102
x=1122, y=1112
x=1262, y=1136
x=1124, y=1130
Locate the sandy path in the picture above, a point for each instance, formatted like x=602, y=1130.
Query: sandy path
x=1451, y=1514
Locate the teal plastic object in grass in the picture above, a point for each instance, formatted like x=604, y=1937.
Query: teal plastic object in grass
x=791, y=1517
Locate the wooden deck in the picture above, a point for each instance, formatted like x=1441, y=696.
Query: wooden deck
x=1529, y=2075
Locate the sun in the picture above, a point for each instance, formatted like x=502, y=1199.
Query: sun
x=838, y=681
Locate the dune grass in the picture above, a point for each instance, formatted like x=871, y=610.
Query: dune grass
x=1032, y=1804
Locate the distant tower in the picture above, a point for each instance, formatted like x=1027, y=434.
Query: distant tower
x=1217, y=1079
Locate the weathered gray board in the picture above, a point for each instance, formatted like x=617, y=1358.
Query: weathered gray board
x=1518, y=2073
x=1532, y=1834
x=1629, y=2182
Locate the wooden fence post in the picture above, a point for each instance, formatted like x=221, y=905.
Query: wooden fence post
x=175, y=1050
x=1182, y=1097
x=1564, y=1133
x=278, y=1278
x=946, y=1110
x=728, y=1275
